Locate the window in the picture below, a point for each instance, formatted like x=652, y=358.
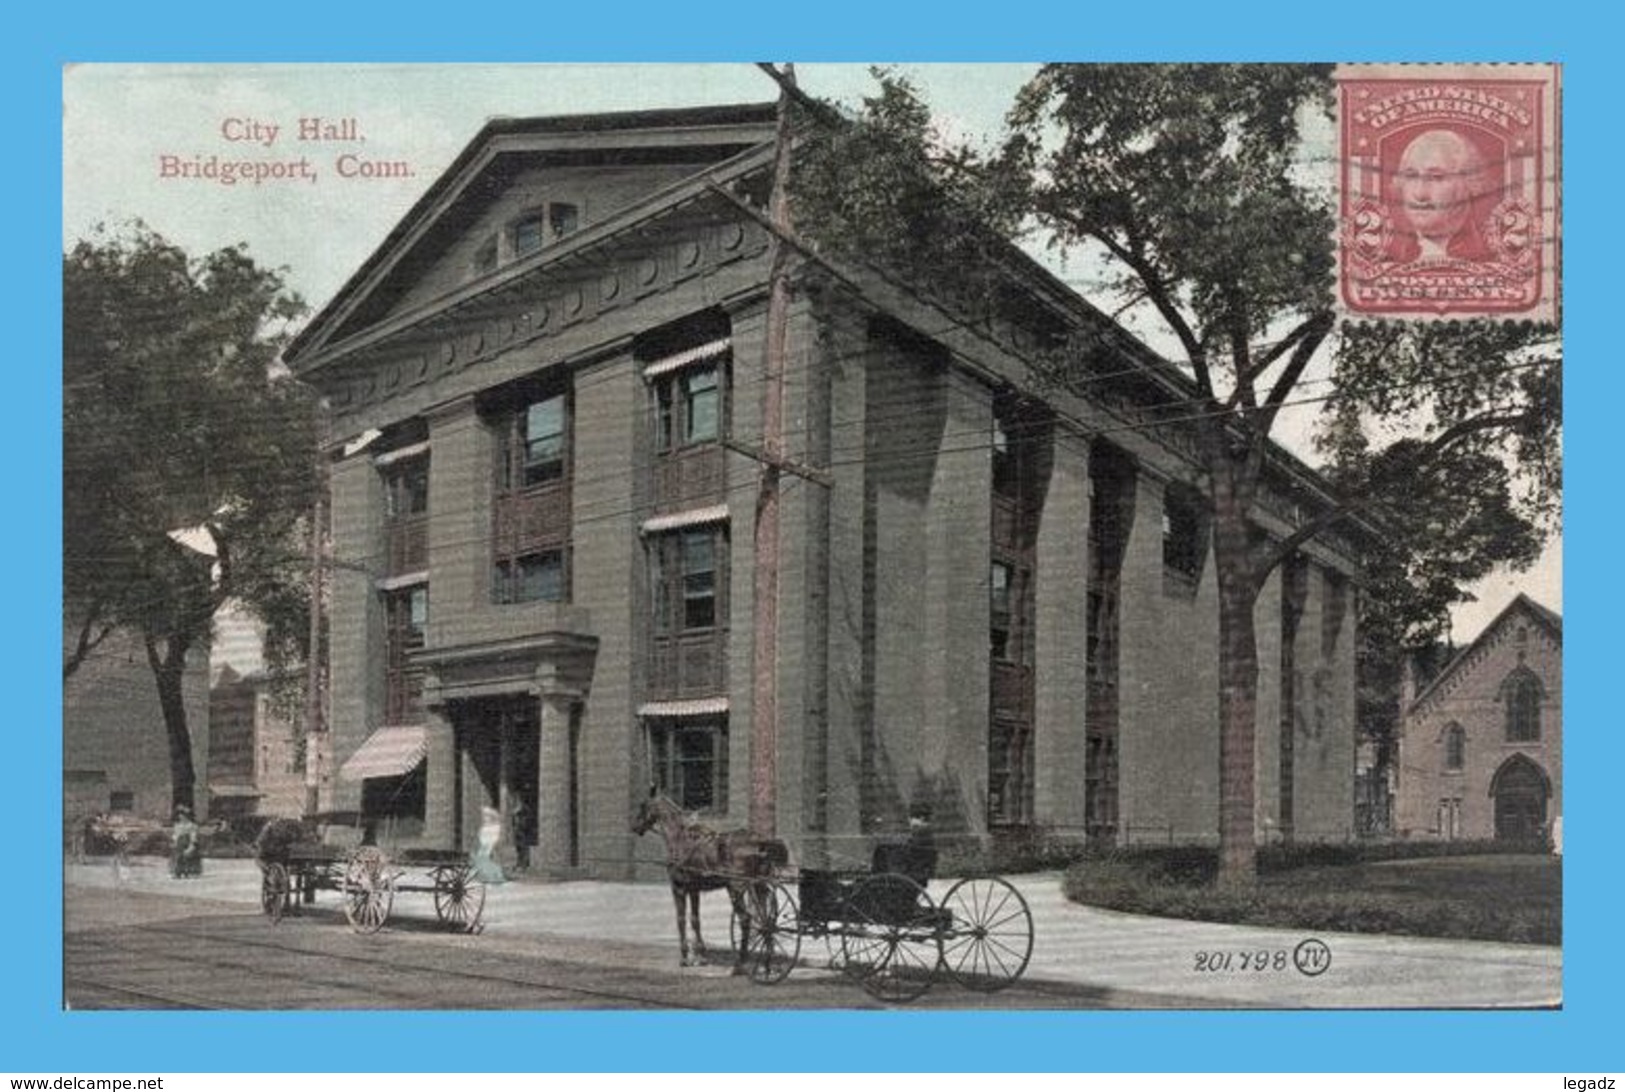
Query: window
x=563, y=218
x=535, y=443
x=406, y=616
x=688, y=407
x=406, y=490
x=121, y=800
x=1455, y=747
x=700, y=404
x=1007, y=463
x=531, y=514
x=1522, y=693
x=529, y=234
x=1000, y=577
x=401, y=797
x=541, y=441
x=699, y=580
x=406, y=512
x=542, y=225
x=1449, y=820
x=530, y=578
x=1184, y=535
x=485, y=258
x=1010, y=771
x=689, y=759
x=686, y=579
x=688, y=613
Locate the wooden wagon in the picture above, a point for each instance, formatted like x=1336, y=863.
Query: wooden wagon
x=297, y=859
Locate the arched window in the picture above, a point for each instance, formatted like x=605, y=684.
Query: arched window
x=1522, y=693
x=1455, y=747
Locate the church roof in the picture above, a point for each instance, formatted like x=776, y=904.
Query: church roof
x=1543, y=615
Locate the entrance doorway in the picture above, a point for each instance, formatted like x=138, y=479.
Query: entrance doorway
x=1520, y=789
x=497, y=739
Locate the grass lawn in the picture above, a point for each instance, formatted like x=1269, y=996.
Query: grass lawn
x=1505, y=897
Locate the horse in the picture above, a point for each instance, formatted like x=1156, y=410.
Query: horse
x=700, y=859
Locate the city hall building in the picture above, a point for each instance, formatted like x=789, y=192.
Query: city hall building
x=545, y=393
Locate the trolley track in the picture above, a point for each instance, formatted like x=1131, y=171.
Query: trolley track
x=275, y=971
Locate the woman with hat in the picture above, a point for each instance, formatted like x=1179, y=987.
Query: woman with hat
x=186, y=860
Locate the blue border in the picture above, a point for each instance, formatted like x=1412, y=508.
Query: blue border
x=39, y=1037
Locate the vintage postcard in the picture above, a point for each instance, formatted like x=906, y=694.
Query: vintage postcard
x=811, y=537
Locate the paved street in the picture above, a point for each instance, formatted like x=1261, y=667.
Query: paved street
x=584, y=944
x=130, y=949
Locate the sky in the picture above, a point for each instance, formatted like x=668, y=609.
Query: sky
x=138, y=141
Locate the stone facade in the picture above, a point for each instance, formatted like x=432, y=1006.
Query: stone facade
x=1481, y=750
x=937, y=597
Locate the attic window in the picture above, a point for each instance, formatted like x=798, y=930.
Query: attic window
x=541, y=226
x=528, y=235
x=563, y=219
x=485, y=258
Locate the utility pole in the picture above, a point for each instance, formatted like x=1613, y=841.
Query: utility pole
x=313, y=672
x=764, y=711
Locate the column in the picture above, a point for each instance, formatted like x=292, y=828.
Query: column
x=554, y=782
x=1061, y=603
x=356, y=639
x=440, y=825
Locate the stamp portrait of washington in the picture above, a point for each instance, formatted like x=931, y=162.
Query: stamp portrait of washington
x=1443, y=199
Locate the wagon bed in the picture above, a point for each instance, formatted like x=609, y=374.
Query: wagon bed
x=293, y=867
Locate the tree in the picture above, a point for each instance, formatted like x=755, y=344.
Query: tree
x=178, y=418
x=1191, y=181
x=1194, y=187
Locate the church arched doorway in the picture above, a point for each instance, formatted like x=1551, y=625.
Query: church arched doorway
x=1520, y=789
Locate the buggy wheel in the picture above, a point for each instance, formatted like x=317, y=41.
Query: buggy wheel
x=892, y=940
x=459, y=897
x=989, y=936
x=274, y=890
x=775, y=937
x=369, y=889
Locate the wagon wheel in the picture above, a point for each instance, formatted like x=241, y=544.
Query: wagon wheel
x=369, y=889
x=775, y=936
x=893, y=937
x=459, y=897
x=989, y=936
x=274, y=890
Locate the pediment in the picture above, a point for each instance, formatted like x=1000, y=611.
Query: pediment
x=516, y=173
x=498, y=330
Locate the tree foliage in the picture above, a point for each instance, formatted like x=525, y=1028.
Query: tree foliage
x=176, y=417
x=887, y=188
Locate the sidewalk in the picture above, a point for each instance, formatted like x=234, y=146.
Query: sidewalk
x=1073, y=944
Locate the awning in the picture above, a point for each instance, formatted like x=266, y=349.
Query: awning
x=698, y=707
x=688, y=356
x=693, y=517
x=389, y=752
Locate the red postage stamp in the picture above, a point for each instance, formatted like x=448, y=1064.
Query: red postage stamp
x=1449, y=196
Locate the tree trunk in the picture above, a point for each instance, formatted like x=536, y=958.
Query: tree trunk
x=1238, y=689
x=169, y=669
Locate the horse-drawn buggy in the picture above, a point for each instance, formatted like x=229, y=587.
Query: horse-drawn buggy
x=880, y=926
x=330, y=852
